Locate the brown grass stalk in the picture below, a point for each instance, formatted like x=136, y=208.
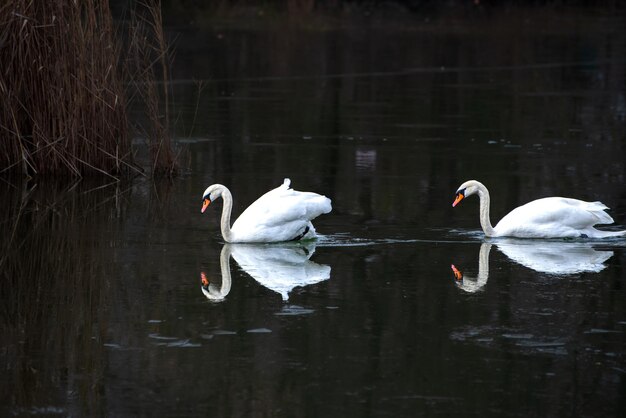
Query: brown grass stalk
x=148, y=58
x=63, y=89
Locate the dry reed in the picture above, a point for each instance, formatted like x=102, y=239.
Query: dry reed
x=148, y=59
x=63, y=90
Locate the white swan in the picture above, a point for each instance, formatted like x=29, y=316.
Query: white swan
x=282, y=214
x=550, y=217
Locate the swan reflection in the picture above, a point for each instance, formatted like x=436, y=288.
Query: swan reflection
x=211, y=290
x=551, y=257
x=474, y=284
x=279, y=268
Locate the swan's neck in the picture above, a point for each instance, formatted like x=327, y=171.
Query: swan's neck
x=226, y=210
x=485, y=202
x=483, y=263
x=225, y=269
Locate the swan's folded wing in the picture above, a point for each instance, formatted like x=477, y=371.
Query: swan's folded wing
x=293, y=205
x=554, y=215
x=580, y=214
x=280, y=215
x=289, y=209
x=283, y=205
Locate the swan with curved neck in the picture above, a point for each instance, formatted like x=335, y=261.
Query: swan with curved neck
x=282, y=214
x=549, y=217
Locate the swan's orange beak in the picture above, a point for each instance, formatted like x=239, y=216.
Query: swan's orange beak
x=205, y=281
x=457, y=273
x=457, y=200
x=205, y=205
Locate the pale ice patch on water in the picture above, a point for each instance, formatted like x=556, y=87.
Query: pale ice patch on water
x=494, y=337
x=161, y=337
x=294, y=310
x=179, y=344
x=165, y=341
x=224, y=332
x=41, y=410
x=259, y=331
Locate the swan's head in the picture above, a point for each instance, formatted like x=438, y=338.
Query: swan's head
x=212, y=193
x=466, y=189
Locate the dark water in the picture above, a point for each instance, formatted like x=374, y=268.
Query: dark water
x=103, y=312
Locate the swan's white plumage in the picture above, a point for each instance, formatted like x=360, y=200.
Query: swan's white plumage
x=282, y=214
x=550, y=217
x=554, y=217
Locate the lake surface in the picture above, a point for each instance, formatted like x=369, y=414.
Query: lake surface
x=103, y=309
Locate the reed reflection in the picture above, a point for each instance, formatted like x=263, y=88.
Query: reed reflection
x=53, y=298
x=550, y=257
x=278, y=267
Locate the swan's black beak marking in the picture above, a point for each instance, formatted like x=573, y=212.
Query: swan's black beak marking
x=460, y=195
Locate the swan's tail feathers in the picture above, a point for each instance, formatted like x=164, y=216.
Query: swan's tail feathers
x=598, y=210
x=316, y=206
x=603, y=217
x=598, y=205
x=326, y=205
